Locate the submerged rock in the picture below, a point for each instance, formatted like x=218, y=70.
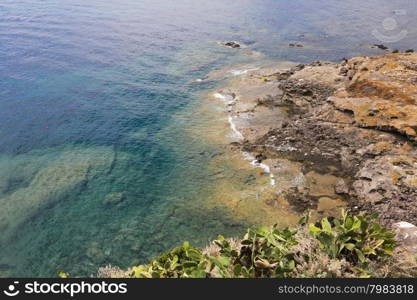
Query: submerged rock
x=46, y=179
x=232, y=44
x=296, y=45
x=113, y=199
x=380, y=46
x=95, y=252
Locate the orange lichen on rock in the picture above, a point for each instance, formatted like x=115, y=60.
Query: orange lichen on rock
x=382, y=93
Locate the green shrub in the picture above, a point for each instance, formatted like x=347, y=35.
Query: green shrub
x=263, y=253
x=273, y=252
x=181, y=262
x=355, y=238
x=352, y=246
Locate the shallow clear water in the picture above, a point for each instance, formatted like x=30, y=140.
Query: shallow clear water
x=100, y=162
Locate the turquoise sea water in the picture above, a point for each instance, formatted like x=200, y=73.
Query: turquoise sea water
x=98, y=162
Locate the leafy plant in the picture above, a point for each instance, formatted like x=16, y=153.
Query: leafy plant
x=354, y=237
x=62, y=274
x=350, y=246
x=181, y=262
x=265, y=251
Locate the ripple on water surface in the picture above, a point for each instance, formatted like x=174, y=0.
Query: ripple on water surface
x=107, y=153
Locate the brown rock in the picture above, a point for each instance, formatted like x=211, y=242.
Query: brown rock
x=383, y=98
x=341, y=187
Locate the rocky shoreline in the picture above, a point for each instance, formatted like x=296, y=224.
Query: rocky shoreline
x=332, y=134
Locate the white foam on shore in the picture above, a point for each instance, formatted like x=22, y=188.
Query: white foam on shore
x=263, y=166
x=237, y=134
x=220, y=96
x=242, y=72
x=228, y=99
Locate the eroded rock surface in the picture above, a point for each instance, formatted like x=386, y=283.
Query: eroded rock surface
x=355, y=122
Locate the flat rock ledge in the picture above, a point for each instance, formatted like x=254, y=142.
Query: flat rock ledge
x=355, y=120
